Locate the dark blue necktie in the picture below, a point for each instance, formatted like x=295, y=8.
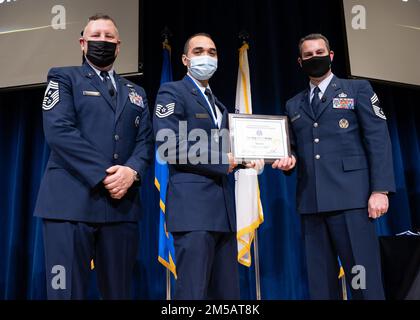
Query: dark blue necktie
x=108, y=83
x=211, y=100
x=315, y=101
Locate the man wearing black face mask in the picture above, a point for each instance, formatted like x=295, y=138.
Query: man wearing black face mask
x=98, y=128
x=345, y=172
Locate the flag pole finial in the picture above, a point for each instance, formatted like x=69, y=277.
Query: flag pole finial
x=244, y=37
x=165, y=35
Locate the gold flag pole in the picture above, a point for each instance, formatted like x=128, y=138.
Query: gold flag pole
x=166, y=34
x=257, y=267
x=244, y=37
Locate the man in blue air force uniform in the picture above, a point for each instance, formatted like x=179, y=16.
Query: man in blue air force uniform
x=345, y=172
x=98, y=127
x=199, y=205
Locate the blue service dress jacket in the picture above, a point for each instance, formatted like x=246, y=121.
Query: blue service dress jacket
x=344, y=151
x=199, y=197
x=87, y=133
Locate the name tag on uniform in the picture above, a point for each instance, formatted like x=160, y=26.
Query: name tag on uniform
x=92, y=93
x=295, y=118
x=202, y=115
x=343, y=103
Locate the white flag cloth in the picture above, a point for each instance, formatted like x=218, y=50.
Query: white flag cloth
x=249, y=212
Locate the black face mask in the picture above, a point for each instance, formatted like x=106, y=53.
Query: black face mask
x=316, y=67
x=101, y=53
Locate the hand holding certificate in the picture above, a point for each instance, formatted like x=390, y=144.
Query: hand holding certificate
x=259, y=137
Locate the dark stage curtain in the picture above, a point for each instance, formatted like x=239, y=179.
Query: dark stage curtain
x=274, y=28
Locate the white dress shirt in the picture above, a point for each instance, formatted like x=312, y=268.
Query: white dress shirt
x=322, y=87
x=216, y=118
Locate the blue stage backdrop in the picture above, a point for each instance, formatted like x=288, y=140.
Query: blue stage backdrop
x=275, y=28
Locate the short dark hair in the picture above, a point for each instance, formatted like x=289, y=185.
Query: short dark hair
x=101, y=16
x=313, y=36
x=187, y=43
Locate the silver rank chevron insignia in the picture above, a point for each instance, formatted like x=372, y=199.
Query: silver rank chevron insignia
x=376, y=107
x=136, y=99
x=51, y=96
x=164, y=111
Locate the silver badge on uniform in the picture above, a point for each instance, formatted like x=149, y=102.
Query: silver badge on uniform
x=164, y=111
x=376, y=107
x=343, y=123
x=51, y=96
x=137, y=121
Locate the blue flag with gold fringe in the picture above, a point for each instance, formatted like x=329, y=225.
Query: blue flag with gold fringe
x=166, y=242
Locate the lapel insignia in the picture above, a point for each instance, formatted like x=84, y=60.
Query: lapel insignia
x=342, y=95
x=137, y=121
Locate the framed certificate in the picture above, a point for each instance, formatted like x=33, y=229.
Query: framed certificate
x=258, y=137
